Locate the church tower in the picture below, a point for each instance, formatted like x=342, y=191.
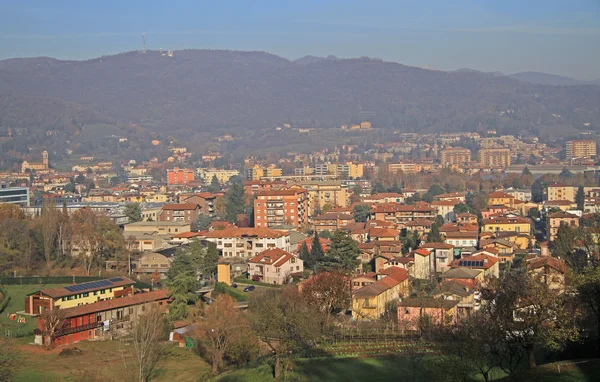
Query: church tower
x=45, y=158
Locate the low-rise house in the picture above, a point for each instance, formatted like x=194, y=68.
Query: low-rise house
x=414, y=312
x=501, y=198
x=505, y=248
x=274, y=266
x=363, y=280
x=95, y=320
x=383, y=234
x=152, y=263
x=445, y=208
x=181, y=212
x=555, y=220
x=466, y=218
x=248, y=242
x=508, y=223
x=551, y=270
x=468, y=239
x=465, y=276
x=422, y=226
x=468, y=298
x=490, y=265
x=372, y=301
x=78, y=294
x=424, y=260
x=443, y=254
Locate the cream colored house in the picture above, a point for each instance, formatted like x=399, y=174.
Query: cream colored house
x=274, y=266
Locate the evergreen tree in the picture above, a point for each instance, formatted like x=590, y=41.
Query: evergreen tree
x=537, y=191
x=342, y=254
x=526, y=171
x=316, y=253
x=580, y=198
x=434, y=236
x=133, y=212
x=433, y=191
x=234, y=202
x=361, y=212
x=304, y=254
x=395, y=188
x=203, y=222
x=214, y=182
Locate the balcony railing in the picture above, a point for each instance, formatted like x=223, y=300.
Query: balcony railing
x=80, y=328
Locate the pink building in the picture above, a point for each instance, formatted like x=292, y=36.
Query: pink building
x=412, y=312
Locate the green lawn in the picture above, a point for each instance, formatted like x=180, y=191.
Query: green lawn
x=17, y=294
x=383, y=369
x=244, y=280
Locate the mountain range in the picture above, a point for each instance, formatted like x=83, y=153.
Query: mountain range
x=216, y=90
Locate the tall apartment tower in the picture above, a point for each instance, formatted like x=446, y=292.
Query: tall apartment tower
x=581, y=149
x=494, y=157
x=455, y=155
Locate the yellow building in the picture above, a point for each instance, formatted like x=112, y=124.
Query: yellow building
x=407, y=168
x=322, y=193
x=561, y=192
x=494, y=157
x=581, y=149
x=224, y=273
x=370, y=302
x=517, y=224
x=365, y=125
x=455, y=155
x=78, y=294
x=273, y=171
x=501, y=198
x=347, y=170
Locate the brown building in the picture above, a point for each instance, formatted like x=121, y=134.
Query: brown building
x=180, y=212
x=494, y=157
x=557, y=219
x=581, y=149
x=455, y=155
x=332, y=221
x=207, y=201
x=281, y=207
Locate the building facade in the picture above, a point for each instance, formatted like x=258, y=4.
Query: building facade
x=494, y=157
x=281, y=207
x=455, y=155
x=581, y=149
x=248, y=242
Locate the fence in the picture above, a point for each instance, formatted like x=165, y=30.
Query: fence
x=41, y=280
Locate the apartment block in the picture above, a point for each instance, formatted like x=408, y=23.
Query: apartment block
x=407, y=168
x=320, y=193
x=281, y=207
x=581, y=149
x=223, y=176
x=561, y=192
x=494, y=157
x=180, y=176
x=455, y=155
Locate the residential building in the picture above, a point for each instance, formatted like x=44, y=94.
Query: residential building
x=180, y=212
x=78, y=294
x=469, y=299
x=370, y=302
x=331, y=193
x=14, y=195
x=248, y=242
x=561, y=192
x=331, y=221
x=494, y=157
x=110, y=316
x=152, y=262
x=424, y=263
x=274, y=266
x=455, y=155
x=208, y=202
x=157, y=227
x=466, y=276
x=445, y=208
x=349, y=170
x=466, y=218
x=508, y=223
x=180, y=176
x=501, y=198
x=462, y=239
x=443, y=254
x=581, y=149
x=555, y=220
x=384, y=197
x=406, y=168
x=490, y=265
x=438, y=311
x=281, y=207
x=397, y=213
x=223, y=176
x=550, y=270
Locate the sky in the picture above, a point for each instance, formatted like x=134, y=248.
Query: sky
x=552, y=36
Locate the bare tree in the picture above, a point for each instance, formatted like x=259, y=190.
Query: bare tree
x=49, y=222
x=148, y=333
x=222, y=330
x=52, y=321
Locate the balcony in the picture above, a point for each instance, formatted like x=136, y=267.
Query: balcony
x=76, y=329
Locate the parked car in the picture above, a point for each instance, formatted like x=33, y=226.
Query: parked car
x=234, y=285
x=249, y=288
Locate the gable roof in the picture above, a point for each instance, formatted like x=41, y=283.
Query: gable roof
x=275, y=257
x=500, y=195
x=481, y=261
x=461, y=273
x=543, y=261
x=101, y=306
x=437, y=246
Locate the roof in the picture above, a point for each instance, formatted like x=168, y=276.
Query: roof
x=258, y=232
x=480, y=261
x=500, y=195
x=86, y=287
x=395, y=207
x=562, y=215
x=186, y=235
x=180, y=206
x=383, y=232
x=378, y=287
x=453, y=287
x=334, y=216
x=275, y=256
x=291, y=192
x=437, y=246
x=506, y=220
x=552, y=262
x=461, y=273
x=469, y=234
x=428, y=302
x=101, y=306
x=421, y=251
x=399, y=274
x=450, y=203
x=402, y=260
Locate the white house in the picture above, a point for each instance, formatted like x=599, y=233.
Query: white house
x=248, y=242
x=274, y=266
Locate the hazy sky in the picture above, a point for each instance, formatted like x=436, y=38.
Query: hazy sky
x=553, y=36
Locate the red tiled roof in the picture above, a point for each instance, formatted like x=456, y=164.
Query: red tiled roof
x=552, y=262
x=187, y=235
x=500, y=194
x=120, y=302
x=395, y=207
x=422, y=252
x=383, y=232
x=399, y=274
x=437, y=246
x=506, y=220
x=275, y=256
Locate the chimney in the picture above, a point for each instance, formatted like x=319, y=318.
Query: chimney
x=544, y=249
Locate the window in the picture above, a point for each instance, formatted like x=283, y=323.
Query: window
x=257, y=204
x=64, y=299
x=293, y=260
x=366, y=303
x=86, y=295
x=277, y=270
x=228, y=245
x=103, y=291
x=95, y=293
x=259, y=245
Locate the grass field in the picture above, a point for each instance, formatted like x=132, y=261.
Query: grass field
x=104, y=361
x=17, y=294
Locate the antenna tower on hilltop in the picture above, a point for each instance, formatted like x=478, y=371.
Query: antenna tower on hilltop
x=144, y=48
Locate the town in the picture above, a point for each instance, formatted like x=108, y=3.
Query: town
x=430, y=244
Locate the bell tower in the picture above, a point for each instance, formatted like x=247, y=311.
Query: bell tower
x=45, y=158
